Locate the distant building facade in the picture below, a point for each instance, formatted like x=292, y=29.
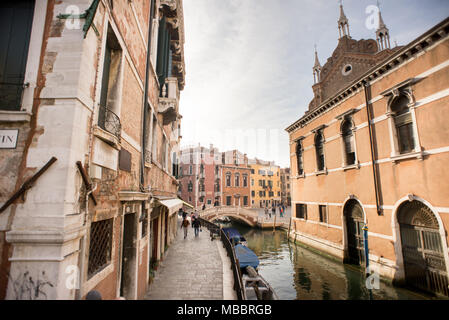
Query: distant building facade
x=286, y=197
x=92, y=107
x=371, y=152
x=212, y=178
x=265, y=183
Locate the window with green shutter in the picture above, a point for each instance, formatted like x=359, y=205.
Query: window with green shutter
x=16, y=19
x=163, y=64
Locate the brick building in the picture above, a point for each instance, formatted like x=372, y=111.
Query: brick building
x=91, y=97
x=212, y=178
x=370, y=154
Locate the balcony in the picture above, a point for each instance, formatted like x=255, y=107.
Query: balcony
x=108, y=127
x=109, y=121
x=169, y=101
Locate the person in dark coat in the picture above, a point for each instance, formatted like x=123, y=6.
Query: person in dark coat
x=196, y=225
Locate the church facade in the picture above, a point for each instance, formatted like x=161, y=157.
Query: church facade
x=369, y=184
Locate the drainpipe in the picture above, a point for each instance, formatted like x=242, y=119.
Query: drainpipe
x=366, y=87
x=145, y=98
x=375, y=173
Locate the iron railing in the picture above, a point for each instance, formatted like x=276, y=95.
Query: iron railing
x=238, y=282
x=235, y=265
x=100, y=246
x=109, y=121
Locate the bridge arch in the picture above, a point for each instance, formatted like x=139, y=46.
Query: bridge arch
x=244, y=215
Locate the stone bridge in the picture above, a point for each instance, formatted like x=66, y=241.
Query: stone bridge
x=250, y=217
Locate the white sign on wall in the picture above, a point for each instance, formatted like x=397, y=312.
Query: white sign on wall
x=8, y=138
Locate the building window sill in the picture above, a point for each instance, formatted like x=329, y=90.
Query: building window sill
x=107, y=137
x=318, y=173
x=410, y=155
x=15, y=116
x=351, y=166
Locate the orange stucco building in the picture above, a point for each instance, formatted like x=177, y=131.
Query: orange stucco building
x=371, y=151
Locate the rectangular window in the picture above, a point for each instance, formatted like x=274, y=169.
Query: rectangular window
x=323, y=213
x=100, y=246
x=154, y=142
x=109, y=103
x=253, y=193
x=301, y=211
x=228, y=200
x=163, y=68
x=16, y=21
x=245, y=200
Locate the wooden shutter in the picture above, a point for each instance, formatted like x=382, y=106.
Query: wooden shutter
x=16, y=19
x=163, y=52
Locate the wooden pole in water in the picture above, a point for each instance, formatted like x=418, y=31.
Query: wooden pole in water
x=288, y=233
x=274, y=222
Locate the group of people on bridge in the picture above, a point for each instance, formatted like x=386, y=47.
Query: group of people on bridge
x=279, y=207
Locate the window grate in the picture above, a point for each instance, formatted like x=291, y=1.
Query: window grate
x=100, y=245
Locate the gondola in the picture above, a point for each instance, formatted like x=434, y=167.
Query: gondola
x=234, y=236
x=254, y=285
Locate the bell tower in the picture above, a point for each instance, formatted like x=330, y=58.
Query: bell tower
x=382, y=33
x=343, y=23
x=316, y=69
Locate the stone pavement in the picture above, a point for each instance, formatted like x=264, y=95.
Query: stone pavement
x=195, y=268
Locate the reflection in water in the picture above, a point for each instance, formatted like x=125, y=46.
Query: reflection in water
x=298, y=273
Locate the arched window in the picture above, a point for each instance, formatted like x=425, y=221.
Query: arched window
x=403, y=123
x=299, y=159
x=190, y=187
x=348, y=142
x=228, y=179
x=319, y=149
x=237, y=180
x=245, y=180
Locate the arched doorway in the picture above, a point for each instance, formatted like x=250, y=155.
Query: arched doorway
x=353, y=213
x=422, y=249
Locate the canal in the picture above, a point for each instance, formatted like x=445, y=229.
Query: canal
x=296, y=272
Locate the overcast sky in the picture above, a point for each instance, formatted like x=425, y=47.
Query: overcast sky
x=249, y=63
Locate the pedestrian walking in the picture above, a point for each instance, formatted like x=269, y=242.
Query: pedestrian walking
x=196, y=225
x=269, y=212
x=266, y=212
x=192, y=218
x=273, y=210
x=185, y=224
x=204, y=207
x=183, y=213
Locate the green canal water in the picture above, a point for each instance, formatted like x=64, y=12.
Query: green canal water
x=297, y=272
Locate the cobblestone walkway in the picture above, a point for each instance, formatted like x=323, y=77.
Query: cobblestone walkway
x=191, y=270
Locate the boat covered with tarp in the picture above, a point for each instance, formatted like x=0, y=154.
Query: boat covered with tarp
x=234, y=236
x=246, y=257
